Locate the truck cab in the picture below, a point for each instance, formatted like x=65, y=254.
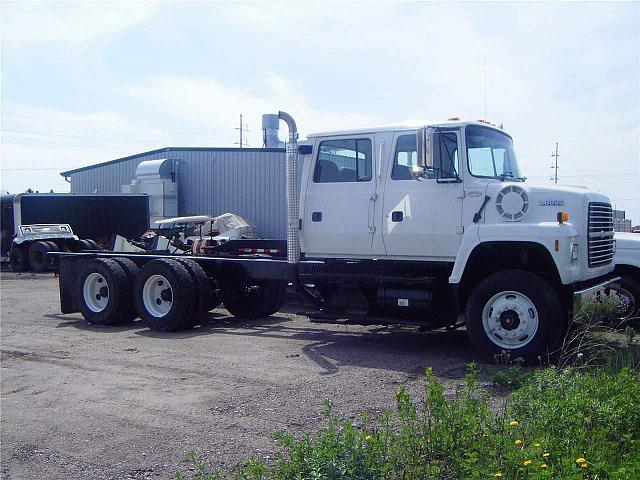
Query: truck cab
x=448, y=202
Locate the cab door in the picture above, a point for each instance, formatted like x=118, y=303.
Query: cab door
x=339, y=199
x=421, y=215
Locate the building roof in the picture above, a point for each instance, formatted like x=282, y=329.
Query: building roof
x=170, y=149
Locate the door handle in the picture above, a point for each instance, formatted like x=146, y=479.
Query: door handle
x=316, y=217
x=397, y=216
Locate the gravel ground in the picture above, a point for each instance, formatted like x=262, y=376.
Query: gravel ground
x=124, y=402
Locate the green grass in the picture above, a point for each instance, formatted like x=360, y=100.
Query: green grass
x=579, y=419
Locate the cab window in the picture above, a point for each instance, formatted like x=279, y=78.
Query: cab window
x=445, y=155
x=343, y=161
x=405, y=159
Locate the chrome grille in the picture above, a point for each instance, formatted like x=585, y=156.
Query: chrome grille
x=601, y=243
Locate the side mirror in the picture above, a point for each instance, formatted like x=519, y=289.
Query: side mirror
x=424, y=142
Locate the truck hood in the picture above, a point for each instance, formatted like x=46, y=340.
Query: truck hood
x=543, y=202
x=627, y=249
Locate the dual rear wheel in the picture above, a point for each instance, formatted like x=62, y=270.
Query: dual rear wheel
x=167, y=294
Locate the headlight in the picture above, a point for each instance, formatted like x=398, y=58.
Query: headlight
x=574, y=252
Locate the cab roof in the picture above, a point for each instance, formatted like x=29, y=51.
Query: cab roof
x=401, y=128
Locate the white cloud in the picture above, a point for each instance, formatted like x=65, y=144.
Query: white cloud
x=27, y=25
x=204, y=101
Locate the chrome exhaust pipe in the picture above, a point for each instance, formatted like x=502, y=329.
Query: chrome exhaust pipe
x=293, y=190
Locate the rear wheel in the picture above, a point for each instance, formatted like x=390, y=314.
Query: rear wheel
x=53, y=247
x=93, y=244
x=18, y=259
x=514, y=312
x=132, y=271
x=104, y=293
x=254, y=299
x=164, y=296
x=202, y=289
x=38, y=258
x=82, y=245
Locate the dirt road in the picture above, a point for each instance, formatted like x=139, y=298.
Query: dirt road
x=125, y=402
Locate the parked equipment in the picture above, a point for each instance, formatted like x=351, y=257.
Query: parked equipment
x=33, y=225
x=430, y=225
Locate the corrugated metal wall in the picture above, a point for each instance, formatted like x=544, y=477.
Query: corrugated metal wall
x=250, y=183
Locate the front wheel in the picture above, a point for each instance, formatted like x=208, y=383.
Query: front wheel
x=630, y=300
x=515, y=312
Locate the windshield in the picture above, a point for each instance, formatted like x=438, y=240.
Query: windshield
x=490, y=154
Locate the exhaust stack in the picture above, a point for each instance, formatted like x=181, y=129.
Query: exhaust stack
x=293, y=190
x=270, y=126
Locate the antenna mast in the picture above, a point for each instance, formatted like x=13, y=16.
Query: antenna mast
x=242, y=129
x=555, y=165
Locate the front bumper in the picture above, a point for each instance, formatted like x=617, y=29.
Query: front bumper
x=595, y=293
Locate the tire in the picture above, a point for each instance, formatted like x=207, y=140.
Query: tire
x=132, y=271
x=165, y=296
x=102, y=279
x=517, y=312
x=630, y=295
x=82, y=245
x=53, y=247
x=202, y=289
x=94, y=245
x=279, y=297
x=18, y=259
x=254, y=299
x=38, y=258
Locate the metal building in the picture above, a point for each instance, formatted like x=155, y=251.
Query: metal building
x=208, y=181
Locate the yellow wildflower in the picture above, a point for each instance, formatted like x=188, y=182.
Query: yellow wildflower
x=528, y=462
x=537, y=445
x=544, y=465
x=546, y=454
x=513, y=423
x=368, y=437
x=498, y=474
x=518, y=442
x=584, y=465
x=581, y=460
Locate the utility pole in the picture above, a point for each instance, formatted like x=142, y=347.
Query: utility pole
x=555, y=165
x=242, y=129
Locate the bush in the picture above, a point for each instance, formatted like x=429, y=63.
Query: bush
x=562, y=423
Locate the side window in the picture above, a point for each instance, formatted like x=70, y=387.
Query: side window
x=405, y=159
x=343, y=161
x=445, y=155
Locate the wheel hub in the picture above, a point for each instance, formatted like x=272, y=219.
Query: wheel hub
x=157, y=296
x=95, y=292
x=510, y=319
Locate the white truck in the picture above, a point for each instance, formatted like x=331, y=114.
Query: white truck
x=430, y=225
x=627, y=260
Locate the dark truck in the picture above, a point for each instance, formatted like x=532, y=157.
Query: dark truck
x=35, y=224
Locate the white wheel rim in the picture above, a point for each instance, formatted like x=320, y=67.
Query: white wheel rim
x=157, y=295
x=510, y=320
x=95, y=292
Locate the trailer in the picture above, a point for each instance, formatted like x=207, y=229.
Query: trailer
x=34, y=225
x=429, y=225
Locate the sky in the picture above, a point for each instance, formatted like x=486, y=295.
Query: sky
x=84, y=82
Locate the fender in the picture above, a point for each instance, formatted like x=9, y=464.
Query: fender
x=543, y=233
